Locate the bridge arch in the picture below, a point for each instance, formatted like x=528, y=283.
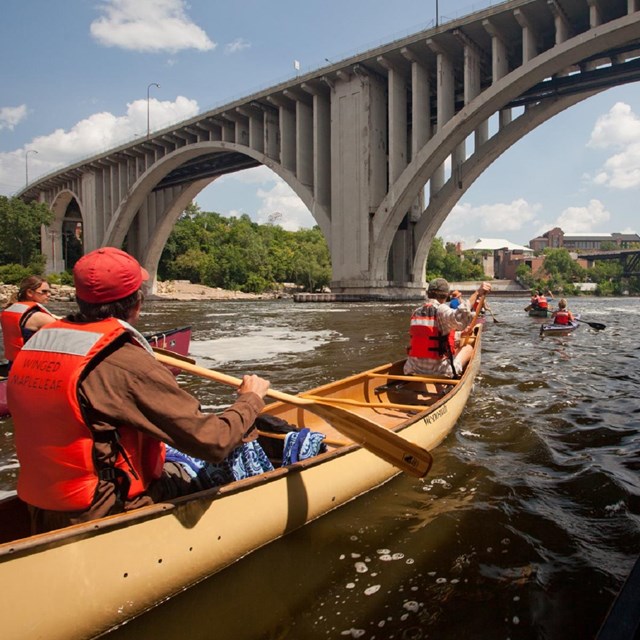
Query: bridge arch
x=56, y=239
x=141, y=190
x=127, y=210
x=437, y=211
x=441, y=146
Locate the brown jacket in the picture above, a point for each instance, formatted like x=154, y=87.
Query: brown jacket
x=130, y=387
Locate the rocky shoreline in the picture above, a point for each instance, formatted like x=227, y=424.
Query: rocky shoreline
x=168, y=290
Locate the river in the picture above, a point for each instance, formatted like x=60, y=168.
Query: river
x=525, y=528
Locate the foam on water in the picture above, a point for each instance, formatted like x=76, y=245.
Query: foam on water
x=260, y=345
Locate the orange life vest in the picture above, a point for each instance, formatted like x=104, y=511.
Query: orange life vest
x=426, y=339
x=542, y=302
x=12, y=320
x=52, y=439
x=561, y=317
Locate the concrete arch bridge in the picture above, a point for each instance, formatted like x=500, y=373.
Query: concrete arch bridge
x=379, y=146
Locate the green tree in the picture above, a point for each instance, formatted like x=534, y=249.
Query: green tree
x=20, y=224
x=236, y=253
x=443, y=261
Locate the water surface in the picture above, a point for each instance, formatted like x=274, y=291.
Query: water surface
x=525, y=528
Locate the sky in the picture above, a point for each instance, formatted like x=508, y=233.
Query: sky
x=77, y=76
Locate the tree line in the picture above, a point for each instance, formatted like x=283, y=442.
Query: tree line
x=236, y=253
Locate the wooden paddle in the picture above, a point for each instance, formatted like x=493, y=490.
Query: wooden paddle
x=598, y=326
x=486, y=307
x=388, y=445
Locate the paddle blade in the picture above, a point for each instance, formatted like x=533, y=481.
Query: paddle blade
x=598, y=326
x=388, y=445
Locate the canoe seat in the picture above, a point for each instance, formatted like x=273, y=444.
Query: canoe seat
x=402, y=388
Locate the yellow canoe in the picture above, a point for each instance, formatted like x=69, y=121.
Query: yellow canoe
x=81, y=581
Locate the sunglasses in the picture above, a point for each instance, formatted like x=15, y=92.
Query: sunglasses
x=43, y=292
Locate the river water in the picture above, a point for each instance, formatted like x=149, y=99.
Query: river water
x=525, y=528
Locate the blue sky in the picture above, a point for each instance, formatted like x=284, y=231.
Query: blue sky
x=74, y=76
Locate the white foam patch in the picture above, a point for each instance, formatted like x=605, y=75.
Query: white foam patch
x=260, y=345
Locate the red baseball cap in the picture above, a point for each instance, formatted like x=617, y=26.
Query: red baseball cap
x=106, y=275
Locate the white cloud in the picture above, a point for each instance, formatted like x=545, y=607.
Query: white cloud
x=618, y=129
x=280, y=198
x=582, y=219
x=93, y=135
x=239, y=44
x=255, y=175
x=467, y=223
x=149, y=25
x=11, y=116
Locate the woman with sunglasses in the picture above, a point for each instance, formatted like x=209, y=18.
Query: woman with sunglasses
x=25, y=314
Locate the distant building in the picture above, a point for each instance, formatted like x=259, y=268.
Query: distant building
x=557, y=239
x=501, y=258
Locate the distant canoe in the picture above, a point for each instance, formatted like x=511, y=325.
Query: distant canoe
x=538, y=313
x=554, y=329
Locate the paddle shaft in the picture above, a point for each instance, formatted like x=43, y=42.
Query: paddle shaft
x=388, y=445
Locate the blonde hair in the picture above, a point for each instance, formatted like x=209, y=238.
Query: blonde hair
x=562, y=303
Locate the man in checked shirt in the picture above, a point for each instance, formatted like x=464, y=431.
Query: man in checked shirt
x=433, y=330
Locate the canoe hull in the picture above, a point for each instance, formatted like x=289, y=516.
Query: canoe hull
x=124, y=565
x=558, y=329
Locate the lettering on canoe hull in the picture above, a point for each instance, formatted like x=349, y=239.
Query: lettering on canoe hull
x=436, y=415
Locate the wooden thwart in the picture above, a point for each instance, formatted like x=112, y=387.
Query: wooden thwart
x=428, y=380
x=364, y=403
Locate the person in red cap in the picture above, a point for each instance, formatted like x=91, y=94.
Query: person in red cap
x=93, y=410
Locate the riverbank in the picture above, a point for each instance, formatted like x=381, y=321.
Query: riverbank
x=187, y=291
x=167, y=290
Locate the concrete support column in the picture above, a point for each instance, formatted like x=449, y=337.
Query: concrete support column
x=228, y=131
x=445, y=104
x=472, y=89
x=529, y=38
x=304, y=146
x=420, y=103
x=321, y=144
x=595, y=16
x=271, y=134
x=358, y=176
x=397, y=118
x=561, y=22
x=287, y=125
x=242, y=130
x=499, y=65
x=256, y=127
x=420, y=126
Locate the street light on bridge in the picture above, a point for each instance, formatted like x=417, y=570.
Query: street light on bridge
x=151, y=84
x=26, y=165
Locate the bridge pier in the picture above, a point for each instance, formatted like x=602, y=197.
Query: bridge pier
x=365, y=290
